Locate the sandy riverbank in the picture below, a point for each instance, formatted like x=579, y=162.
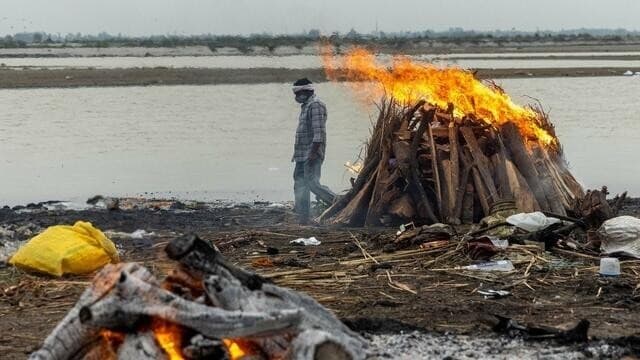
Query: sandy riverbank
x=69, y=78
x=425, y=47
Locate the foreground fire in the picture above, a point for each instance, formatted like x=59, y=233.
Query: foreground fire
x=407, y=82
x=205, y=309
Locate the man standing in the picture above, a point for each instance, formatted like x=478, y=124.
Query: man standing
x=309, y=150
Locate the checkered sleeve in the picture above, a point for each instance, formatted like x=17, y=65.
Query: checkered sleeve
x=318, y=114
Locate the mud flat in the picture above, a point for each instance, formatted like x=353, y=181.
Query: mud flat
x=337, y=275
x=69, y=78
x=434, y=46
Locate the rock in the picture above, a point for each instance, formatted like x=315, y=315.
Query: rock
x=6, y=233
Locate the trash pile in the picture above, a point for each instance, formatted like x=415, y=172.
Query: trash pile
x=493, y=245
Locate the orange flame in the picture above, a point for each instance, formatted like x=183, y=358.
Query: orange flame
x=112, y=337
x=407, y=82
x=235, y=350
x=169, y=337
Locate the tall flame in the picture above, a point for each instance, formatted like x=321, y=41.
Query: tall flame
x=407, y=82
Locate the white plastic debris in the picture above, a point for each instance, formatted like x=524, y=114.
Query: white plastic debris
x=141, y=234
x=500, y=265
x=136, y=235
x=609, y=266
x=621, y=235
x=7, y=249
x=494, y=294
x=499, y=243
x=277, y=206
x=312, y=241
x=534, y=221
x=405, y=227
x=66, y=205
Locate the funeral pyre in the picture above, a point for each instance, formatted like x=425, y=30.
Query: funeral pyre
x=448, y=147
x=206, y=308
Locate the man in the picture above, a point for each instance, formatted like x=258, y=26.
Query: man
x=309, y=150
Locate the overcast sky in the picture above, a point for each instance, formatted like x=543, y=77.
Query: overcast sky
x=142, y=17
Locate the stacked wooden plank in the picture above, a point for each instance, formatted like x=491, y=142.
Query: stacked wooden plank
x=425, y=165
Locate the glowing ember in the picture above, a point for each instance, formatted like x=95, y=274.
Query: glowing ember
x=407, y=82
x=235, y=351
x=112, y=337
x=169, y=337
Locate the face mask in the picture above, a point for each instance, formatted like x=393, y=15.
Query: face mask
x=301, y=98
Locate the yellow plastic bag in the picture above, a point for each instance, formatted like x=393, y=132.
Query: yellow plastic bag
x=63, y=249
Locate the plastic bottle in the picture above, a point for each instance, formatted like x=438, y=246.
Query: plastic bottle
x=500, y=265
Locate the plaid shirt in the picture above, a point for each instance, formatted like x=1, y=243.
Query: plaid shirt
x=311, y=129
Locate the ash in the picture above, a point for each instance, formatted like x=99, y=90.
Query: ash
x=417, y=345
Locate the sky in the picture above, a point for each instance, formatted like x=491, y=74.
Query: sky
x=187, y=17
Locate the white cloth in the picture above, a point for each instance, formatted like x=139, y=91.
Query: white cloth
x=303, y=87
x=621, y=235
x=532, y=221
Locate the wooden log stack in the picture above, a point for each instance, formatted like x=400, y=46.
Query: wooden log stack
x=424, y=165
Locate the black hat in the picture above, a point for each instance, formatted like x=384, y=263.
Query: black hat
x=302, y=82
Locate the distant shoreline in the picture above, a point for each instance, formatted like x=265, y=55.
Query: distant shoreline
x=72, y=78
x=434, y=48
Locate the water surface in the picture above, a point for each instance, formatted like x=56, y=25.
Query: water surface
x=291, y=62
x=235, y=141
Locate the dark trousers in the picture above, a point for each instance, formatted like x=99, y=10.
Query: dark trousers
x=306, y=180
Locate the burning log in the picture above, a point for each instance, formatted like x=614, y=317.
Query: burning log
x=227, y=291
x=151, y=322
x=436, y=167
x=72, y=337
x=133, y=298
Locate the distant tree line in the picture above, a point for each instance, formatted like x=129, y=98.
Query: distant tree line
x=272, y=41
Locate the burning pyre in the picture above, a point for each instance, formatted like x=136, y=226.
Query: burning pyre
x=206, y=308
x=448, y=147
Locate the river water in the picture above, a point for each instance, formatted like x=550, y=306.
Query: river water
x=235, y=141
x=495, y=61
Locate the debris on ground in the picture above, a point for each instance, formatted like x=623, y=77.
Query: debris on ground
x=534, y=221
x=350, y=272
x=609, y=267
x=63, y=249
x=494, y=294
x=500, y=265
x=620, y=235
x=312, y=241
x=578, y=333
